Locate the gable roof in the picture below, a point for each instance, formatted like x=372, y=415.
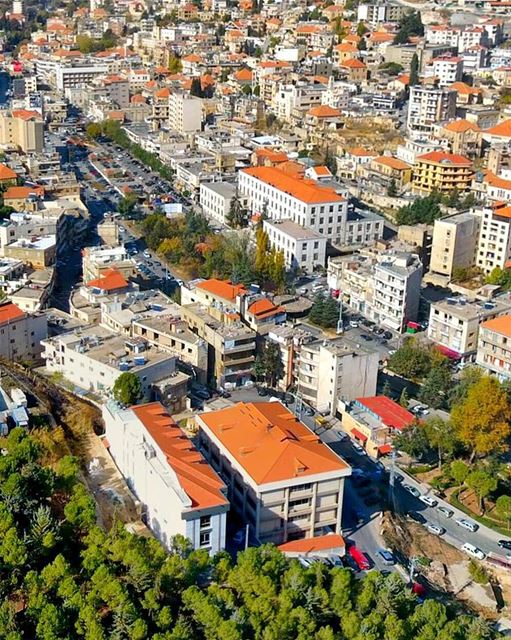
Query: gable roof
x=264, y=308
x=503, y=129
x=222, y=288
x=460, y=126
x=196, y=477
x=270, y=443
x=6, y=173
x=393, y=163
x=307, y=191
x=22, y=192
x=26, y=114
x=441, y=157
x=324, y=111
x=500, y=324
x=389, y=412
x=353, y=63
x=109, y=281
x=330, y=541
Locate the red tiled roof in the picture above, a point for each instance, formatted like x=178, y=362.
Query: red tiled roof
x=312, y=545
x=440, y=157
x=389, y=412
x=9, y=312
x=6, y=173
x=503, y=129
x=270, y=443
x=222, y=288
x=25, y=114
x=109, y=281
x=16, y=193
x=200, y=482
x=501, y=324
x=264, y=308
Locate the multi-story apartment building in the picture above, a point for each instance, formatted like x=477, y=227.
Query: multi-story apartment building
x=454, y=323
x=379, y=12
x=67, y=76
x=305, y=202
x=94, y=357
x=302, y=248
x=428, y=106
x=373, y=422
x=448, y=69
x=292, y=101
x=179, y=491
x=21, y=333
x=37, y=251
x=384, y=287
x=455, y=243
x=24, y=225
x=231, y=344
x=213, y=292
x=215, y=199
x=98, y=260
x=289, y=339
x=22, y=128
x=171, y=335
x=441, y=172
x=281, y=479
x=494, y=238
x=494, y=347
x=185, y=113
x=335, y=370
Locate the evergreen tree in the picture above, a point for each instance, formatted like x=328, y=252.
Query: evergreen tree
x=404, y=399
x=414, y=70
x=236, y=216
x=392, y=189
x=273, y=365
x=330, y=313
x=196, y=88
x=387, y=390
x=316, y=312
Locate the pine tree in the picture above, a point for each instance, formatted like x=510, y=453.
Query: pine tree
x=196, y=88
x=392, y=189
x=414, y=70
x=316, y=312
x=273, y=365
x=404, y=399
x=330, y=313
x=387, y=391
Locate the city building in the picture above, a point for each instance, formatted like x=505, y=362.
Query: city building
x=215, y=199
x=38, y=251
x=179, y=491
x=329, y=371
x=281, y=479
x=454, y=323
x=494, y=347
x=494, y=238
x=303, y=248
x=441, y=172
x=22, y=128
x=21, y=333
x=373, y=422
x=185, y=113
x=455, y=243
x=428, y=106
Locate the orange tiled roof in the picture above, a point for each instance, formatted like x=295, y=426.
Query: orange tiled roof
x=313, y=545
x=496, y=181
x=19, y=193
x=404, y=78
x=222, y=288
x=502, y=129
x=353, y=63
x=6, y=173
x=393, y=163
x=198, y=479
x=440, y=157
x=162, y=93
x=243, y=75
x=322, y=171
x=307, y=191
x=273, y=156
x=460, y=126
x=25, y=114
x=9, y=312
x=346, y=47
x=270, y=443
x=308, y=28
x=501, y=324
x=193, y=57
x=360, y=151
x=463, y=88
x=324, y=111
x=109, y=281
x=264, y=308
x=138, y=98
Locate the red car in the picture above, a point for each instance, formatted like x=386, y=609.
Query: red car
x=360, y=558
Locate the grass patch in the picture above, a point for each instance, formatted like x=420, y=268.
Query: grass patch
x=420, y=468
x=488, y=522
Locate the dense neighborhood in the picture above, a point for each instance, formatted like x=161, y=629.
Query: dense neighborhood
x=255, y=319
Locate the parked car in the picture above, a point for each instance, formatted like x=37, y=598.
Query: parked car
x=386, y=557
x=431, y=502
x=398, y=478
x=473, y=551
x=146, y=254
x=360, y=558
x=504, y=544
x=354, y=324
x=435, y=529
x=262, y=391
x=416, y=517
x=358, y=448
x=387, y=335
x=415, y=492
x=445, y=511
x=467, y=524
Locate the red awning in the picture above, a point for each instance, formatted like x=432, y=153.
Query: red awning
x=359, y=435
x=384, y=449
x=453, y=355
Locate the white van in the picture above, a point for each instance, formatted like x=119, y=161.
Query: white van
x=473, y=551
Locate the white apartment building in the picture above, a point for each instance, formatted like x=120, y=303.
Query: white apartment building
x=215, y=199
x=428, y=106
x=494, y=347
x=292, y=100
x=94, y=357
x=454, y=323
x=304, y=202
x=494, y=238
x=303, y=248
x=180, y=493
x=338, y=94
x=185, y=113
x=76, y=75
x=21, y=333
x=282, y=481
x=447, y=69
x=25, y=225
x=333, y=370
x=455, y=242
x=382, y=287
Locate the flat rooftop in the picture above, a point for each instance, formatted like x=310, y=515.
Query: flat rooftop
x=294, y=230
x=460, y=307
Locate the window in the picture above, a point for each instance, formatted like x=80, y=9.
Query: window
x=205, y=522
x=204, y=539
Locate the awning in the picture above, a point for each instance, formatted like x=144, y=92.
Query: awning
x=450, y=353
x=383, y=449
x=359, y=435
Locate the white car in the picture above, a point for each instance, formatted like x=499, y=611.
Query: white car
x=431, y=502
x=467, y=524
x=435, y=529
x=473, y=551
x=146, y=254
x=360, y=450
x=354, y=324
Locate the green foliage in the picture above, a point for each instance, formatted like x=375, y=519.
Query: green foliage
x=236, y=216
x=436, y=386
x=414, y=70
x=325, y=311
x=412, y=360
x=413, y=440
x=269, y=364
x=423, y=210
x=87, y=45
x=483, y=483
x=409, y=25
x=459, y=470
x=127, y=388
x=500, y=277
x=128, y=205
x=478, y=573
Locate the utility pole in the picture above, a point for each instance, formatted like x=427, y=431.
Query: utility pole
x=392, y=478
x=413, y=562
x=340, y=324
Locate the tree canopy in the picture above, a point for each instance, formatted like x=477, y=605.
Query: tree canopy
x=127, y=388
x=409, y=25
x=423, y=210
